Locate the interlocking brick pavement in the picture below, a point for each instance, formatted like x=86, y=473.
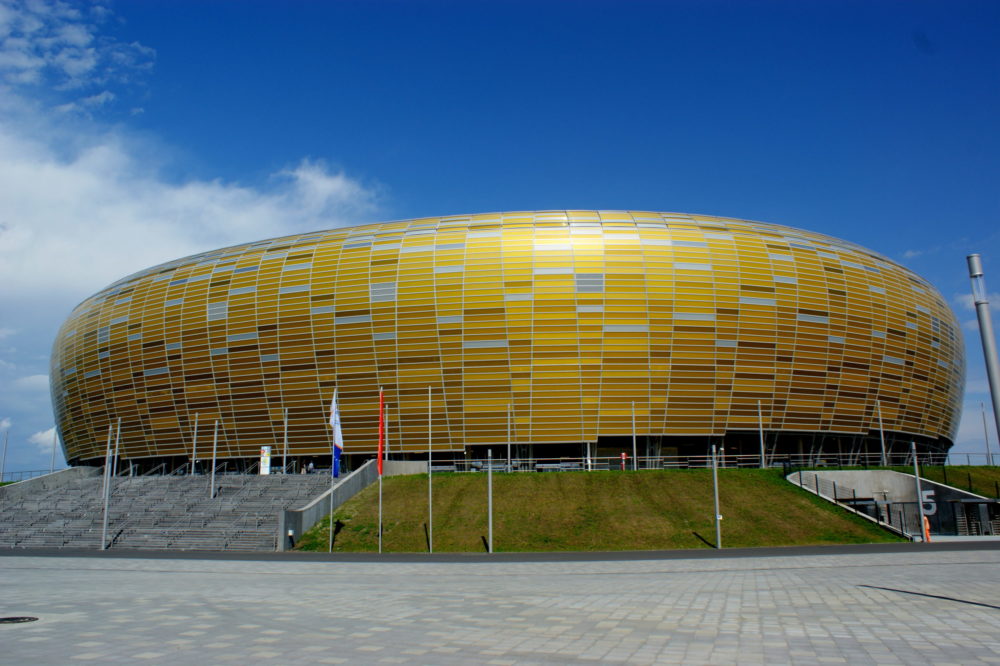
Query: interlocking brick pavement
x=907, y=607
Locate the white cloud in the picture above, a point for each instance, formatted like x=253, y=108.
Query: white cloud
x=966, y=301
x=77, y=222
x=32, y=383
x=44, y=440
x=976, y=386
x=87, y=104
x=5, y=424
x=911, y=254
x=971, y=437
x=56, y=44
x=84, y=203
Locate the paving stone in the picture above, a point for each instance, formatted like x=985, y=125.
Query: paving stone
x=932, y=607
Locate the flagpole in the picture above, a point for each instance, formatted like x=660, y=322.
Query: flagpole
x=635, y=453
x=118, y=435
x=329, y=547
x=3, y=460
x=760, y=430
x=55, y=442
x=430, y=484
x=334, y=457
x=715, y=492
x=107, y=486
x=510, y=467
x=381, y=442
x=107, y=457
x=489, y=493
x=881, y=432
x=333, y=466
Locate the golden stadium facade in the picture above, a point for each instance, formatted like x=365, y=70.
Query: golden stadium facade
x=546, y=325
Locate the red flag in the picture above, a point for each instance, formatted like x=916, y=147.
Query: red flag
x=381, y=428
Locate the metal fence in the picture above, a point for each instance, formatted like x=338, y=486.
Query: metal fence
x=13, y=477
x=806, y=460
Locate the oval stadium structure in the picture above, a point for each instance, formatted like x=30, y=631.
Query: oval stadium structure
x=555, y=327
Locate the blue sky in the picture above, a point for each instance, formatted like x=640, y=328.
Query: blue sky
x=134, y=133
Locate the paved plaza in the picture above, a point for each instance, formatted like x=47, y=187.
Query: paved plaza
x=902, y=605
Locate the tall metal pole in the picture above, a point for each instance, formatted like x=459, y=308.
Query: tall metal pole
x=920, y=495
x=107, y=489
x=881, y=432
x=380, y=513
x=635, y=459
x=386, y=431
x=329, y=545
x=215, y=448
x=3, y=460
x=334, y=464
x=194, y=446
x=986, y=332
x=118, y=436
x=52, y=461
x=760, y=430
x=430, y=483
x=986, y=435
x=284, y=450
x=107, y=459
x=715, y=492
x=489, y=500
x=510, y=466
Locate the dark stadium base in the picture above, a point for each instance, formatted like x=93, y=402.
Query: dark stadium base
x=734, y=449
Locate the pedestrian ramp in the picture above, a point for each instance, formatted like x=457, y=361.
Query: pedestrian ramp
x=890, y=499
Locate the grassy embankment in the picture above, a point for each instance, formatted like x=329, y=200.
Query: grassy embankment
x=976, y=479
x=580, y=511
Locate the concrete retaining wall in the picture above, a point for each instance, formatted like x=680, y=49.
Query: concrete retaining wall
x=64, y=477
x=300, y=520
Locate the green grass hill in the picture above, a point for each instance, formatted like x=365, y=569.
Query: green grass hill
x=581, y=511
x=981, y=480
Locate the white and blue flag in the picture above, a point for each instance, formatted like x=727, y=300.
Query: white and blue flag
x=338, y=436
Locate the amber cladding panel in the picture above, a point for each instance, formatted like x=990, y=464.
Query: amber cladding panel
x=567, y=317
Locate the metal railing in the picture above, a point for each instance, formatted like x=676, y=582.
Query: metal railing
x=892, y=516
x=13, y=477
x=726, y=461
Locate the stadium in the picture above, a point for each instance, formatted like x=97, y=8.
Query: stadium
x=565, y=334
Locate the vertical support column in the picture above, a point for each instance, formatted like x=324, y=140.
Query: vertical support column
x=715, y=493
x=986, y=332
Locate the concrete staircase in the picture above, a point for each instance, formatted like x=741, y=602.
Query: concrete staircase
x=157, y=512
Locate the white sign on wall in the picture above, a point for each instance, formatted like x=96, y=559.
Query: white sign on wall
x=265, y=460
